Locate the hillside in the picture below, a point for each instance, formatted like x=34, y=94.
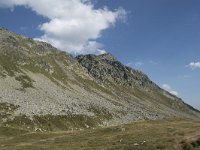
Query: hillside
x=42, y=88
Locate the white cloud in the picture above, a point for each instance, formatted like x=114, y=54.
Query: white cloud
x=135, y=64
x=194, y=65
x=169, y=89
x=74, y=25
x=139, y=63
x=153, y=62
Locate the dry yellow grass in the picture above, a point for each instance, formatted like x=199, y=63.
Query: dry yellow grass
x=147, y=135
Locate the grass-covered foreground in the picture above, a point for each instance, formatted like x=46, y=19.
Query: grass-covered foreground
x=147, y=135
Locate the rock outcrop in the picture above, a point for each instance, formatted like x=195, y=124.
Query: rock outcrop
x=106, y=67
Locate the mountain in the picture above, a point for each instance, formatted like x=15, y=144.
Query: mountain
x=43, y=88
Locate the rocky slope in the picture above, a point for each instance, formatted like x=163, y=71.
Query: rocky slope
x=42, y=88
x=106, y=68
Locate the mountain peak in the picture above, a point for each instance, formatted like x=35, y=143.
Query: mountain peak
x=3, y=29
x=106, y=67
x=107, y=56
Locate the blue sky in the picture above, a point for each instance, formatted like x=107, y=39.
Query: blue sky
x=159, y=37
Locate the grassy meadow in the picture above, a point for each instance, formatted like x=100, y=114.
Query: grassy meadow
x=142, y=135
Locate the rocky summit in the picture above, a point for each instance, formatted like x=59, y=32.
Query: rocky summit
x=106, y=68
x=42, y=88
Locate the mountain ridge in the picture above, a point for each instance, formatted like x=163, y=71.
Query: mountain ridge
x=44, y=88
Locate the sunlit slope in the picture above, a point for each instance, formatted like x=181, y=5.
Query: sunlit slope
x=42, y=88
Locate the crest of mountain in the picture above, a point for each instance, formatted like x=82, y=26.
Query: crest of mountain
x=42, y=88
x=107, y=68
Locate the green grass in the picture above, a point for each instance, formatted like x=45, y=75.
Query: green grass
x=54, y=123
x=9, y=64
x=25, y=81
x=44, y=64
x=100, y=113
x=93, y=86
x=8, y=132
x=6, y=111
x=145, y=135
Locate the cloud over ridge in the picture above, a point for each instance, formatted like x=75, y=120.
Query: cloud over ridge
x=169, y=89
x=74, y=25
